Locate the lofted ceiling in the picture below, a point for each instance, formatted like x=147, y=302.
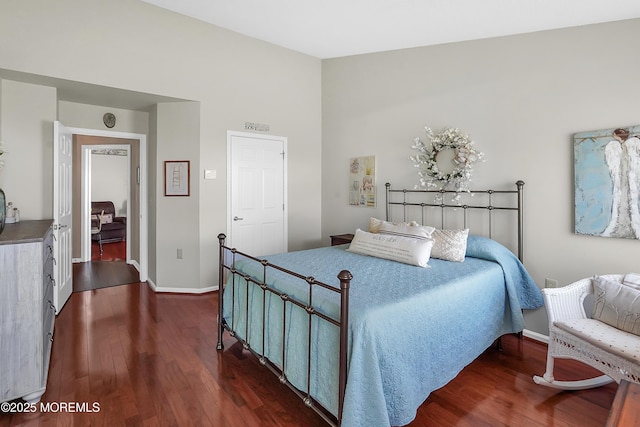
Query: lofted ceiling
x=335, y=28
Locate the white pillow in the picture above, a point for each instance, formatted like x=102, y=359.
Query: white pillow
x=616, y=305
x=407, y=250
x=375, y=224
x=406, y=230
x=632, y=280
x=450, y=245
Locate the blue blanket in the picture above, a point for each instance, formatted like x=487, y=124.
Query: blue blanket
x=412, y=329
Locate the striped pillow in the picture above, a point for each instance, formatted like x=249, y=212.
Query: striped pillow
x=406, y=230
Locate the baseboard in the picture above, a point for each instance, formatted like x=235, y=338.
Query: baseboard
x=536, y=336
x=162, y=289
x=135, y=264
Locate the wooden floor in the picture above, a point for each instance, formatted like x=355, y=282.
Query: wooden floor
x=104, y=270
x=93, y=275
x=114, y=251
x=150, y=359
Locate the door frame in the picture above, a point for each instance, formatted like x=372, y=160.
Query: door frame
x=143, y=267
x=85, y=202
x=285, y=218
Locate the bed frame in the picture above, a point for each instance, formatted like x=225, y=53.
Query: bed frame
x=408, y=201
x=437, y=200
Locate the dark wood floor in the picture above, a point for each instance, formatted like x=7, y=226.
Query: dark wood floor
x=114, y=251
x=150, y=359
x=104, y=270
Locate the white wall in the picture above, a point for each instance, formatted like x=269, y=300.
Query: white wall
x=27, y=113
x=177, y=224
x=85, y=116
x=521, y=98
x=127, y=44
x=110, y=181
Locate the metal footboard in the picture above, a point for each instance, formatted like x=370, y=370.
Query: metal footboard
x=227, y=262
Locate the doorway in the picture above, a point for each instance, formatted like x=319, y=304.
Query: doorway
x=109, y=193
x=136, y=244
x=108, y=187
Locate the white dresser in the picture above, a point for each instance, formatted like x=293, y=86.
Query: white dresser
x=26, y=309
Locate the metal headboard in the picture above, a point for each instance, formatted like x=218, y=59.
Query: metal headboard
x=437, y=199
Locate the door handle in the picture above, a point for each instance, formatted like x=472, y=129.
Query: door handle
x=237, y=218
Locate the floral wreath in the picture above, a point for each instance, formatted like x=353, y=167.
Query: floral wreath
x=465, y=156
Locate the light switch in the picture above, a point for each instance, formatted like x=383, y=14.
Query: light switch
x=209, y=174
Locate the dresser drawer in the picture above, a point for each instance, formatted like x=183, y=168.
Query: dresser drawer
x=47, y=327
x=47, y=248
x=47, y=303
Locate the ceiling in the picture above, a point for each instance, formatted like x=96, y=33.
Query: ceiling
x=335, y=28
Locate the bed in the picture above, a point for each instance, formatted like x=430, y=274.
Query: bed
x=365, y=340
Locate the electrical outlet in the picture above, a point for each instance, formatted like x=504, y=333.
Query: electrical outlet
x=550, y=283
x=179, y=254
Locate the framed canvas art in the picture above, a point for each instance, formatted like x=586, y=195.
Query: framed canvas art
x=607, y=181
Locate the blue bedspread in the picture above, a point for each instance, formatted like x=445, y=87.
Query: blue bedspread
x=412, y=329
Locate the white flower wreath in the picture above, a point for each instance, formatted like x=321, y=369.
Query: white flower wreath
x=430, y=175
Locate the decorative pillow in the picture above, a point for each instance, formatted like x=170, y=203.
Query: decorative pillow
x=406, y=230
x=632, y=280
x=107, y=218
x=375, y=224
x=450, y=245
x=407, y=250
x=616, y=305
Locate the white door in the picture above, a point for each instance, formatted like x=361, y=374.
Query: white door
x=257, y=191
x=62, y=267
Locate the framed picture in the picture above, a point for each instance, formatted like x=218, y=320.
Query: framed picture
x=607, y=166
x=177, y=178
x=362, y=181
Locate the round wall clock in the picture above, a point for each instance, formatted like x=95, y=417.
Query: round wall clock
x=109, y=120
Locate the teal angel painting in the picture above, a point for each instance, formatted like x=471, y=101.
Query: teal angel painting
x=607, y=182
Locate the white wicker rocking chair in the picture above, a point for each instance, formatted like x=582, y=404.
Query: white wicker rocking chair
x=573, y=335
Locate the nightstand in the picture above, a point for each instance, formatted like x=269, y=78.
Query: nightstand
x=341, y=239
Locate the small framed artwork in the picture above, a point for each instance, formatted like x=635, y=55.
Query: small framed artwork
x=362, y=181
x=177, y=177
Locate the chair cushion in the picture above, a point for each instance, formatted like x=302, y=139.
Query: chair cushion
x=604, y=336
